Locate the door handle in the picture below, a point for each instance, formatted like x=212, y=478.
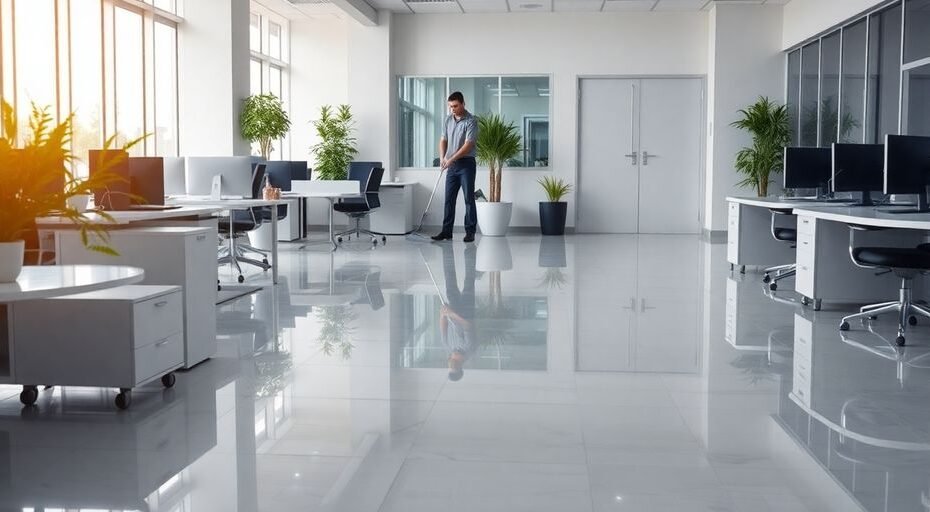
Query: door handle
x=643, y=307
x=646, y=156
x=634, y=155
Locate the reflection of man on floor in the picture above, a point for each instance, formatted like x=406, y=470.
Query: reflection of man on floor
x=457, y=316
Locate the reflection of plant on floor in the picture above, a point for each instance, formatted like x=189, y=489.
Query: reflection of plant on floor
x=335, y=329
x=553, y=278
x=755, y=367
x=271, y=373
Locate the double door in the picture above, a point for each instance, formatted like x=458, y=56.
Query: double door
x=640, y=155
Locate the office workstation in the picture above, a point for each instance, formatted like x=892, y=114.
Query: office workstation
x=368, y=255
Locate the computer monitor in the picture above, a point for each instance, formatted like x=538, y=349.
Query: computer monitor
x=807, y=167
x=858, y=168
x=363, y=166
x=907, y=167
x=174, y=176
x=116, y=195
x=235, y=172
x=279, y=174
x=299, y=170
x=147, y=180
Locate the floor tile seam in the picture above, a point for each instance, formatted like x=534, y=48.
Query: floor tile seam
x=587, y=459
x=406, y=456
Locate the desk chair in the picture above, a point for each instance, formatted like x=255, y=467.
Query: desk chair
x=789, y=235
x=906, y=263
x=243, y=221
x=357, y=209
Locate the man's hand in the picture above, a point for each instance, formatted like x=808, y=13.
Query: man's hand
x=444, y=310
x=443, y=163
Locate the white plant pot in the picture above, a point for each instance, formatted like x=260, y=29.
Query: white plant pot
x=494, y=218
x=11, y=260
x=493, y=254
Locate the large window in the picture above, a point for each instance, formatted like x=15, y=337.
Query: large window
x=810, y=91
x=884, y=84
x=830, y=89
x=268, y=68
x=852, y=83
x=113, y=63
x=794, y=93
x=522, y=100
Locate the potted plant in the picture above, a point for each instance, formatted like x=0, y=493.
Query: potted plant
x=35, y=182
x=263, y=120
x=336, y=148
x=552, y=213
x=767, y=122
x=497, y=143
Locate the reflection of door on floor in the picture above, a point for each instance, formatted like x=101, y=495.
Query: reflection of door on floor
x=536, y=141
x=640, y=155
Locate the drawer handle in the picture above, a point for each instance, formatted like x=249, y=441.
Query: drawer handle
x=163, y=342
x=201, y=237
x=161, y=304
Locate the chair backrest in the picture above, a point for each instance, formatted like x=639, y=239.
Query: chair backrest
x=360, y=174
x=374, y=179
x=258, y=174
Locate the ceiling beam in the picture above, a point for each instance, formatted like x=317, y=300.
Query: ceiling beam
x=359, y=10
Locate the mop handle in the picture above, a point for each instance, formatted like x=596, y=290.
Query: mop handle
x=431, y=195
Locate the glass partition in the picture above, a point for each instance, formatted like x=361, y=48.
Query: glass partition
x=852, y=104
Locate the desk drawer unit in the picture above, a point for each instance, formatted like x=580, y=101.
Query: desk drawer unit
x=116, y=338
x=733, y=233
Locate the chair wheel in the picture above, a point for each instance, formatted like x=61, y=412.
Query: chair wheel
x=912, y=320
x=124, y=399
x=773, y=286
x=29, y=395
x=339, y=239
x=168, y=380
x=844, y=325
x=241, y=278
x=766, y=278
x=805, y=301
x=899, y=341
x=383, y=239
x=265, y=261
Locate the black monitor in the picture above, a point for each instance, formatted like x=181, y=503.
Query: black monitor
x=363, y=167
x=147, y=180
x=279, y=174
x=907, y=167
x=858, y=168
x=299, y=170
x=807, y=167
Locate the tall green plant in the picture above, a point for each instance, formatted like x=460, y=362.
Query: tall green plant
x=767, y=122
x=263, y=120
x=336, y=148
x=498, y=142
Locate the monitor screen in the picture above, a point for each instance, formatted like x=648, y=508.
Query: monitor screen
x=858, y=167
x=299, y=170
x=807, y=167
x=279, y=173
x=174, y=176
x=907, y=164
x=236, y=172
x=147, y=179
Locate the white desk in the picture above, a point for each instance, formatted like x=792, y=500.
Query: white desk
x=331, y=196
x=749, y=230
x=240, y=204
x=53, y=281
x=129, y=217
x=825, y=270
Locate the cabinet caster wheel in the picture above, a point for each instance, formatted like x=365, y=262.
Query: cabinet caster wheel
x=383, y=240
x=219, y=288
x=912, y=320
x=265, y=261
x=241, y=278
x=168, y=380
x=742, y=269
x=339, y=240
x=29, y=395
x=766, y=278
x=773, y=286
x=899, y=341
x=124, y=399
x=844, y=326
x=805, y=301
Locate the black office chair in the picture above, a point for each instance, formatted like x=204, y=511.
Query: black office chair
x=359, y=208
x=775, y=274
x=906, y=263
x=243, y=221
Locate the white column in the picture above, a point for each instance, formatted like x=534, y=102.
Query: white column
x=371, y=89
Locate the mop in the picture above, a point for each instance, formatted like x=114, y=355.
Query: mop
x=432, y=278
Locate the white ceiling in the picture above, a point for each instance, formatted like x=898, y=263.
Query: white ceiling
x=485, y=6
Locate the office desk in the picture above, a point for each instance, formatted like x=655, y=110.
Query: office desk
x=53, y=281
x=130, y=217
x=825, y=270
x=240, y=204
x=749, y=230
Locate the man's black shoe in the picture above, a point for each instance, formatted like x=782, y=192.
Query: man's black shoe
x=469, y=237
x=442, y=236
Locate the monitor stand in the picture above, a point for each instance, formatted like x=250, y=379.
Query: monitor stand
x=922, y=205
x=866, y=199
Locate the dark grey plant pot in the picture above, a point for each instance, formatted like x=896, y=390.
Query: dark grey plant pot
x=552, y=217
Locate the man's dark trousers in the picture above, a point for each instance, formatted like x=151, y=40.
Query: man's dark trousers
x=461, y=175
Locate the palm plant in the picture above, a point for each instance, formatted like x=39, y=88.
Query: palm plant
x=263, y=120
x=336, y=148
x=36, y=180
x=555, y=188
x=767, y=122
x=497, y=143
x=335, y=329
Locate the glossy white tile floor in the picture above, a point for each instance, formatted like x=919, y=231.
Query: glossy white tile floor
x=610, y=373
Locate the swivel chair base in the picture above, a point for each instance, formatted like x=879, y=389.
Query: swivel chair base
x=359, y=230
x=773, y=275
x=904, y=307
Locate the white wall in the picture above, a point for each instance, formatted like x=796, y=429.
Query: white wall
x=745, y=62
x=213, y=76
x=564, y=46
x=805, y=18
x=371, y=88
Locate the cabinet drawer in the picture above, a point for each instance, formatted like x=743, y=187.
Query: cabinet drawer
x=159, y=357
x=806, y=226
x=156, y=319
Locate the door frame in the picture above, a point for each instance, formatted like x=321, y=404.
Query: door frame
x=702, y=171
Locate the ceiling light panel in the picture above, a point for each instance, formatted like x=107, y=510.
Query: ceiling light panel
x=680, y=5
x=391, y=5
x=530, y=5
x=577, y=5
x=479, y=6
x=433, y=6
x=629, y=5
